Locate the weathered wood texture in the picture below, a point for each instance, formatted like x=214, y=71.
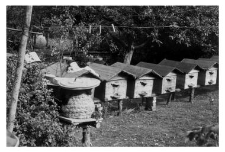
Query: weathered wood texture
x=189, y=76
x=112, y=90
x=143, y=87
x=169, y=99
x=86, y=140
x=191, y=79
x=207, y=76
x=120, y=107
x=184, y=81
x=19, y=69
x=140, y=81
x=165, y=85
x=168, y=75
x=113, y=85
x=192, y=93
x=116, y=89
x=169, y=83
x=211, y=76
x=150, y=104
x=215, y=58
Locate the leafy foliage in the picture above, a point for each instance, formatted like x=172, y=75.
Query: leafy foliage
x=183, y=28
x=37, y=122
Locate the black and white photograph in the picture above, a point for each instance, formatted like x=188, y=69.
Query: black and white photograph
x=112, y=75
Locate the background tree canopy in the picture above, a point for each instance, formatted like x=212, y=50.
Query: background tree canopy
x=142, y=33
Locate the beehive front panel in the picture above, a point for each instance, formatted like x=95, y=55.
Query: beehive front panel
x=191, y=79
x=115, y=89
x=169, y=83
x=143, y=87
x=211, y=76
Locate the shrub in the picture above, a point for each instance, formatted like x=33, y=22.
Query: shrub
x=37, y=122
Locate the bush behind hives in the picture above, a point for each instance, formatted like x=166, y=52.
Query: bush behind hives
x=37, y=122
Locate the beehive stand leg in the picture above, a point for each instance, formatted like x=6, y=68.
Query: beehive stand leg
x=86, y=141
x=105, y=107
x=120, y=106
x=173, y=96
x=142, y=101
x=169, y=98
x=154, y=104
x=148, y=104
x=192, y=93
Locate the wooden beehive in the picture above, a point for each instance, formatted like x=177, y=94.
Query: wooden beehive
x=168, y=75
x=216, y=59
x=113, y=82
x=189, y=77
x=141, y=80
x=208, y=75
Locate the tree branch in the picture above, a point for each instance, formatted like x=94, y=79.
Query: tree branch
x=141, y=45
x=118, y=40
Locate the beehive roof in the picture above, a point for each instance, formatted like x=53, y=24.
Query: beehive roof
x=77, y=74
x=135, y=71
x=56, y=69
x=204, y=64
x=215, y=57
x=161, y=69
x=185, y=67
x=105, y=72
x=209, y=59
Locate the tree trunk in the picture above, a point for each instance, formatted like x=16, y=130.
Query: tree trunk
x=19, y=70
x=129, y=55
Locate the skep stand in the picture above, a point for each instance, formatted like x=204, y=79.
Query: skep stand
x=76, y=95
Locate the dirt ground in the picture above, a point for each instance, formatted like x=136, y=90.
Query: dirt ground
x=165, y=127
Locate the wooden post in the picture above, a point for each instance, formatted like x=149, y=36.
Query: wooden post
x=105, y=108
x=154, y=104
x=173, y=96
x=148, y=103
x=192, y=93
x=19, y=70
x=169, y=98
x=143, y=99
x=86, y=136
x=120, y=106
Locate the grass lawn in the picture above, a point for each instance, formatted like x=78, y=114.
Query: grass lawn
x=166, y=126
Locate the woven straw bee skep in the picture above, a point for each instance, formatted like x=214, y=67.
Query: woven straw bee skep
x=79, y=107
